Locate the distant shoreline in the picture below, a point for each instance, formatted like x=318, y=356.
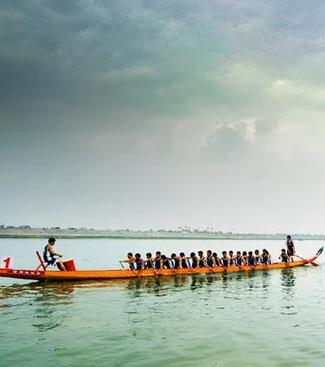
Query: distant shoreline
x=186, y=233
x=148, y=237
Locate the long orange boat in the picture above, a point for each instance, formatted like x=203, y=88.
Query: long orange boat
x=75, y=275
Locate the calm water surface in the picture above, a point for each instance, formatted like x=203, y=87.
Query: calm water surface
x=273, y=318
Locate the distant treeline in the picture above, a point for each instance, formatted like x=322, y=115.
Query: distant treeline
x=26, y=231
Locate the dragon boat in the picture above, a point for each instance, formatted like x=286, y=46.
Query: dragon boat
x=42, y=274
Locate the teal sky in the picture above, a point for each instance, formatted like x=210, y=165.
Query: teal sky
x=147, y=114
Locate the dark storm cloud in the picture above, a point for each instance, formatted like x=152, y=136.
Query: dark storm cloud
x=72, y=62
x=140, y=112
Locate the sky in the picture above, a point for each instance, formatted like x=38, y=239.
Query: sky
x=157, y=114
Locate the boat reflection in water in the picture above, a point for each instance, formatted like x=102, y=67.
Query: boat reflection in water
x=288, y=281
x=63, y=291
x=288, y=284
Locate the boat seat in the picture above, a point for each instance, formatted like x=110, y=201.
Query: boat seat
x=42, y=263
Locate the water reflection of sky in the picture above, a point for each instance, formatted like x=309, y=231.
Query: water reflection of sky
x=192, y=314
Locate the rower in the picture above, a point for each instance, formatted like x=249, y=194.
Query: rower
x=183, y=261
x=175, y=261
x=194, y=260
x=265, y=257
x=157, y=260
x=238, y=259
x=224, y=259
x=216, y=259
x=148, y=264
x=231, y=258
x=251, y=259
x=258, y=258
x=244, y=257
x=51, y=257
x=139, y=263
x=201, y=259
x=290, y=248
x=209, y=259
x=165, y=262
x=283, y=256
x=130, y=260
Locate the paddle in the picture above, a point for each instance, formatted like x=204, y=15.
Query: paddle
x=312, y=263
x=319, y=252
x=121, y=263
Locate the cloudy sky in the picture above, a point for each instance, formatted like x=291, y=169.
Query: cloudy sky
x=155, y=114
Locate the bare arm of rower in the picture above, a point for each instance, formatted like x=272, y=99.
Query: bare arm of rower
x=52, y=252
x=128, y=261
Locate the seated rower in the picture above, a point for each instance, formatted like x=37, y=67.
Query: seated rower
x=265, y=257
x=244, y=258
x=216, y=259
x=251, y=259
x=165, y=262
x=224, y=259
x=175, y=261
x=283, y=256
x=158, y=260
x=194, y=260
x=148, y=264
x=258, y=257
x=210, y=259
x=51, y=257
x=139, y=263
x=130, y=260
x=201, y=259
x=231, y=258
x=183, y=261
x=238, y=259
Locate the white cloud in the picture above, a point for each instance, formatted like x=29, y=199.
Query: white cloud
x=299, y=91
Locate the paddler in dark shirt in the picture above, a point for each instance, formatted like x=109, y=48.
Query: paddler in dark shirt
x=175, y=261
x=238, y=259
x=139, y=263
x=231, y=258
x=210, y=259
x=265, y=257
x=201, y=259
x=183, y=261
x=224, y=259
x=283, y=256
x=165, y=262
x=149, y=261
x=290, y=248
x=251, y=259
x=157, y=260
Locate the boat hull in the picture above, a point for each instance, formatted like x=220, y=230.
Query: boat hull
x=59, y=276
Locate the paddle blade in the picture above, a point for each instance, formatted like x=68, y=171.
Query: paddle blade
x=320, y=251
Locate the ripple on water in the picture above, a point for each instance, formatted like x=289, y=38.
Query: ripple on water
x=180, y=321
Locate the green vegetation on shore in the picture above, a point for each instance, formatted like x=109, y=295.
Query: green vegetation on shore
x=180, y=234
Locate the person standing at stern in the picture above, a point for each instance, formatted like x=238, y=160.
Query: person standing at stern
x=290, y=248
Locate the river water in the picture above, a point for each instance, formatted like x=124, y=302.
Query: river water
x=271, y=318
